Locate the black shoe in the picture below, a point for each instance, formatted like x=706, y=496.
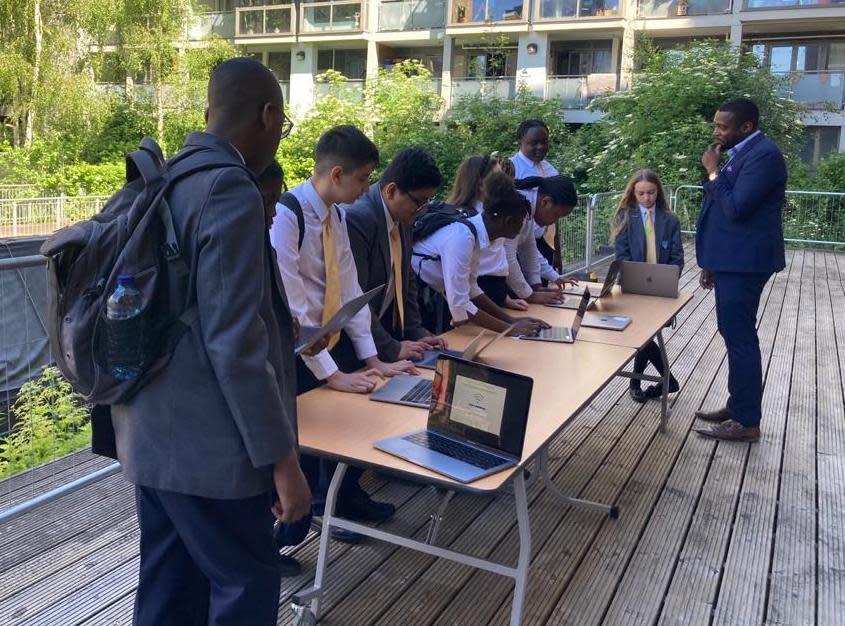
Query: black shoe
x=360, y=507
x=653, y=392
x=289, y=566
x=637, y=394
x=338, y=534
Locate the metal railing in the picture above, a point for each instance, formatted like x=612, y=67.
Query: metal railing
x=24, y=190
x=341, y=15
x=20, y=217
x=264, y=21
x=401, y=15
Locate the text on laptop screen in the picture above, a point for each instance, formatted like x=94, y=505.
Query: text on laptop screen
x=480, y=403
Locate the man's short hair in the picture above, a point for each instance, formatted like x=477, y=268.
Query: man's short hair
x=412, y=169
x=344, y=146
x=743, y=110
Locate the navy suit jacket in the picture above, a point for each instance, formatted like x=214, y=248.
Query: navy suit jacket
x=740, y=227
x=370, y=245
x=630, y=242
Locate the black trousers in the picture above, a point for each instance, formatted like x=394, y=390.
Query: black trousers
x=649, y=354
x=495, y=288
x=206, y=561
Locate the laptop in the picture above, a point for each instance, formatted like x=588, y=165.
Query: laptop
x=650, y=279
x=476, y=423
x=416, y=390
x=605, y=321
x=309, y=335
x=595, y=292
x=563, y=334
x=470, y=353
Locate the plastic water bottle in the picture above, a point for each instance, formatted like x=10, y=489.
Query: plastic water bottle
x=125, y=329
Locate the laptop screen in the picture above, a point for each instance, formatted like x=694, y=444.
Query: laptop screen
x=481, y=404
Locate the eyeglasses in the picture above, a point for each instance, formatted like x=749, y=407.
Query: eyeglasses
x=420, y=204
x=287, y=125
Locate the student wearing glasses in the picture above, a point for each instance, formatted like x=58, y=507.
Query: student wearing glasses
x=379, y=225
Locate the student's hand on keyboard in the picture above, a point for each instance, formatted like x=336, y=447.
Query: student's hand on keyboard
x=525, y=326
x=412, y=350
x=517, y=304
x=392, y=369
x=358, y=382
x=564, y=281
x=437, y=343
x=546, y=297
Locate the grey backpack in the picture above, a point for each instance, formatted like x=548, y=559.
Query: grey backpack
x=133, y=234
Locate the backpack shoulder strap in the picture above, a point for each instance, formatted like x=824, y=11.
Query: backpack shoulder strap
x=290, y=201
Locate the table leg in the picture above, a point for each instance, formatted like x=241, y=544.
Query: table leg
x=664, y=399
x=524, y=560
x=611, y=510
x=437, y=517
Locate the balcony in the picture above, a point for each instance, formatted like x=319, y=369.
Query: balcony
x=576, y=92
x=405, y=15
x=266, y=21
x=683, y=8
x=486, y=11
x=791, y=4
x=322, y=17
x=566, y=9
x=504, y=87
x=352, y=89
x=221, y=24
x=818, y=90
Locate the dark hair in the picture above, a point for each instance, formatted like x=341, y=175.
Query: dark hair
x=560, y=189
x=412, y=169
x=528, y=125
x=271, y=173
x=743, y=110
x=501, y=199
x=345, y=146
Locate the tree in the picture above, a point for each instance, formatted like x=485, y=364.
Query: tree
x=664, y=121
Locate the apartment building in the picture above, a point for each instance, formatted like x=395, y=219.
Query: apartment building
x=567, y=49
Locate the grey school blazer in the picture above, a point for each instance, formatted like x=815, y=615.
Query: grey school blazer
x=368, y=237
x=224, y=409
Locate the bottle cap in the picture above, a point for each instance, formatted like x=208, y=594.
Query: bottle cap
x=126, y=279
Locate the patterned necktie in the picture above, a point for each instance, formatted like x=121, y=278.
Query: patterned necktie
x=650, y=240
x=331, y=299
x=396, y=256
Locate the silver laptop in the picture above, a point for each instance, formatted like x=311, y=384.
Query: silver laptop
x=309, y=335
x=574, y=294
x=650, y=279
x=481, y=342
x=416, y=390
x=563, y=334
x=476, y=422
x=605, y=321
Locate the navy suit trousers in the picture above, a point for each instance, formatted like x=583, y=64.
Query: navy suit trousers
x=206, y=561
x=737, y=299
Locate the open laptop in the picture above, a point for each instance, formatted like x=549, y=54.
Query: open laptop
x=574, y=293
x=481, y=342
x=416, y=390
x=309, y=335
x=650, y=279
x=476, y=422
x=563, y=334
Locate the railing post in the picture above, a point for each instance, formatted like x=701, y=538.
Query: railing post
x=14, y=218
x=60, y=210
x=588, y=256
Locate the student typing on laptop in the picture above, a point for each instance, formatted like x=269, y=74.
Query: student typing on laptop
x=645, y=230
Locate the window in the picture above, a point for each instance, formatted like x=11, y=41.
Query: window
x=580, y=58
x=479, y=63
x=351, y=63
x=801, y=56
x=432, y=59
x=279, y=64
x=819, y=142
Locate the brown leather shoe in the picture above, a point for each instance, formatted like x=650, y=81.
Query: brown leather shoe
x=729, y=430
x=715, y=416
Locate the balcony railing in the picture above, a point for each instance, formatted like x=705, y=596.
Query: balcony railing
x=504, y=87
x=411, y=14
x=264, y=21
x=351, y=89
x=487, y=11
x=567, y=9
x=285, y=85
x=818, y=90
x=683, y=8
x=319, y=17
x=576, y=92
x=221, y=24
x=790, y=4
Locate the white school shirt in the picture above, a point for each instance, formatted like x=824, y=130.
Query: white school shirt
x=526, y=266
x=525, y=167
x=492, y=260
x=454, y=269
x=304, y=273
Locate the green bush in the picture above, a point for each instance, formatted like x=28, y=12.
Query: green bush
x=51, y=421
x=87, y=180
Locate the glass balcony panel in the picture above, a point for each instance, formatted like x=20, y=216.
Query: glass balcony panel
x=599, y=8
x=558, y=9
x=278, y=21
x=485, y=11
x=491, y=87
x=330, y=16
x=675, y=8
x=350, y=90
x=412, y=15
x=220, y=24
x=785, y=4
x=576, y=92
x=347, y=17
x=270, y=20
x=818, y=90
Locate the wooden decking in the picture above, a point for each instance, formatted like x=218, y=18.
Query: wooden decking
x=709, y=533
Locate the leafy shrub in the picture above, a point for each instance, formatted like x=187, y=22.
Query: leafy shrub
x=51, y=422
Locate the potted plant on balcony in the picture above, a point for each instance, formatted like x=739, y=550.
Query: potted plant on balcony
x=683, y=7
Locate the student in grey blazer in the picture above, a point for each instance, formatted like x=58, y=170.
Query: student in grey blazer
x=403, y=191
x=211, y=442
x=643, y=216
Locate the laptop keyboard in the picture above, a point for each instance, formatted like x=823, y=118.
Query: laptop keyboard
x=419, y=393
x=555, y=332
x=454, y=450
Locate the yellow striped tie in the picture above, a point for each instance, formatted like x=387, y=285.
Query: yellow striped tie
x=396, y=256
x=331, y=299
x=650, y=239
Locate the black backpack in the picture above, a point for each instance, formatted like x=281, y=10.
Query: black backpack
x=290, y=201
x=437, y=216
x=133, y=234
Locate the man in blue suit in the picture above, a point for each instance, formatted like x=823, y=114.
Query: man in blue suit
x=739, y=245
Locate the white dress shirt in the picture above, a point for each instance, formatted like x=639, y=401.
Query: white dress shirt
x=525, y=167
x=453, y=270
x=526, y=266
x=492, y=260
x=304, y=273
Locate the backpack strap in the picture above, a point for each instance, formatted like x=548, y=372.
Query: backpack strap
x=144, y=163
x=290, y=201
